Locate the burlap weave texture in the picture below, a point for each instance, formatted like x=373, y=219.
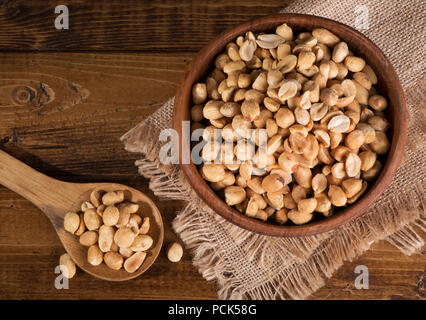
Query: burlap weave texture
x=248, y=265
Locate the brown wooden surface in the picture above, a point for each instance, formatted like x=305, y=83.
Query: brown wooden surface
x=56, y=198
x=98, y=97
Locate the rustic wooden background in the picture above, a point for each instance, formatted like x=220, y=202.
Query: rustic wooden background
x=118, y=62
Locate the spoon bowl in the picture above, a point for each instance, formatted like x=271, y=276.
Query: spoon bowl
x=56, y=198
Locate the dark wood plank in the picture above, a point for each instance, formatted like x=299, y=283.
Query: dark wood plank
x=62, y=137
x=392, y=275
x=124, y=25
x=98, y=97
x=77, y=139
x=30, y=249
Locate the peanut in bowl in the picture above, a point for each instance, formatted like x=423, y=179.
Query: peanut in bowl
x=332, y=109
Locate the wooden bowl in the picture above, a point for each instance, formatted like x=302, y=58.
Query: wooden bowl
x=388, y=86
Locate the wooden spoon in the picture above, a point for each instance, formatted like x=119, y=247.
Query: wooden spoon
x=55, y=198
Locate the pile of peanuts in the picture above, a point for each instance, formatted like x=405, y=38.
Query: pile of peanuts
x=112, y=230
x=323, y=119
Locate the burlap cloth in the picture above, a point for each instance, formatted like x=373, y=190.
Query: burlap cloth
x=251, y=266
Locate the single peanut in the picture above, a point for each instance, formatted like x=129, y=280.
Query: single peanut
x=142, y=243
x=71, y=222
x=124, y=237
x=106, y=238
x=134, y=262
x=92, y=220
x=113, y=260
x=113, y=197
x=95, y=255
x=174, y=252
x=111, y=215
x=67, y=266
x=89, y=238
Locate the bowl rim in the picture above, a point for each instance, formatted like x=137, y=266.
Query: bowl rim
x=399, y=127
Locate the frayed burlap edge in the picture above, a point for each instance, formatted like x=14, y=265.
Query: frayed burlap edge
x=306, y=262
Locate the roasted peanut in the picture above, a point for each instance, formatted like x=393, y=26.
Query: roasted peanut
x=96, y=198
x=92, y=220
x=234, y=195
x=88, y=238
x=368, y=131
x=354, y=64
x=86, y=205
x=250, y=110
x=81, y=227
x=71, y=222
x=319, y=183
x=303, y=176
x=285, y=32
x=67, y=266
x=323, y=203
x=135, y=221
x=298, y=193
x=381, y=144
x=359, y=194
x=134, y=262
x=126, y=252
x=368, y=158
x=212, y=93
x=241, y=126
x=281, y=216
x=213, y=172
x=379, y=123
x=355, y=139
x=142, y=243
x=146, y=224
x=305, y=60
x=273, y=183
x=378, y=103
x=174, y=252
x=110, y=216
x=106, y=238
x=363, y=80
x=94, y=255
x=288, y=162
x=373, y=172
x=113, y=260
x=288, y=89
x=318, y=111
x=211, y=110
x=252, y=207
x=352, y=165
x=275, y=200
x=255, y=184
x=269, y=41
x=284, y=117
x=298, y=217
x=113, y=197
x=306, y=206
x=337, y=196
x=340, y=52
x=124, y=237
x=351, y=187
x=114, y=247
x=339, y=124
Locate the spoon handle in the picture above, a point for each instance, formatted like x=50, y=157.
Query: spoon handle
x=41, y=190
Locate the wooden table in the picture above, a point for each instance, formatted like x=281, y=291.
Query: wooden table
x=115, y=65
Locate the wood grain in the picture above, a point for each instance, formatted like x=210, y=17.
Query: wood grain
x=124, y=25
x=78, y=140
x=56, y=198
